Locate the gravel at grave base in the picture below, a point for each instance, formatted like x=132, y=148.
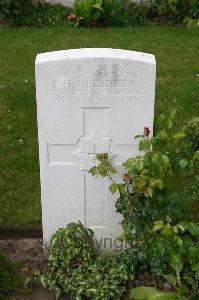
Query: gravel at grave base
x=30, y=251
x=36, y=293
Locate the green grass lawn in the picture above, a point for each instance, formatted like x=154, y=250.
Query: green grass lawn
x=177, y=55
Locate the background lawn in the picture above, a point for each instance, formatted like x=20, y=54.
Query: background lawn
x=177, y=55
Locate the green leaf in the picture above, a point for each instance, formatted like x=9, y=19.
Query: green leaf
x=176, y=262
x=98, y=6
x=194, y=121
x=96, y=15
x=156, y=159
x=112, y=169
x=129, y=163
x=195, y=267
x=165, y=159
x=169, y=123
x=181, y=227
x=196, y=155
x=183, y=163
x=163, y=296
x=173, y=112
x=165, y=231
x=149, y=192
x=190, y=165
x=139, y=165
x=193, y=228
x=143, y=292
x=161, y=135
x=179, y=242
x=93, y=171
x=179, y=135
x=102, y=170
x=160, y=184
x=144, y=145
x=158, y=225
x=113, y=188
x=193, y=252
x=42, y=280
x=121, y=188
x=139, y=136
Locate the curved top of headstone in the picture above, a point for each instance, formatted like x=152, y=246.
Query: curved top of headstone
x=95, y=53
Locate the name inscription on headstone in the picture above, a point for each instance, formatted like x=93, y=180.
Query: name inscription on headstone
x=107, y=87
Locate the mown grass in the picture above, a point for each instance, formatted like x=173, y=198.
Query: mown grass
x=176, y=51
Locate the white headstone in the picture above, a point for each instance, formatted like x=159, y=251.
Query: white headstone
x=89, y=101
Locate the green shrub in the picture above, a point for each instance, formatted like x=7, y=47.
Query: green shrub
x=8, y=9
x=43, y=15
x=149, y=194
x=74, y=268
x=138, y=14
x=23, y=13
x=178, y=9
x=88, y=11
x=173, y=253
x=116, y=12
x=147, y=199
x=109, y=13
x=10, y=280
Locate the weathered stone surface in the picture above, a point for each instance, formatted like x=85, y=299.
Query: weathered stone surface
x=89, y=101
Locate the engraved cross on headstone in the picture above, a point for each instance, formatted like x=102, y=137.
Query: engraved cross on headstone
x=89, y=147
x=93, y=140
